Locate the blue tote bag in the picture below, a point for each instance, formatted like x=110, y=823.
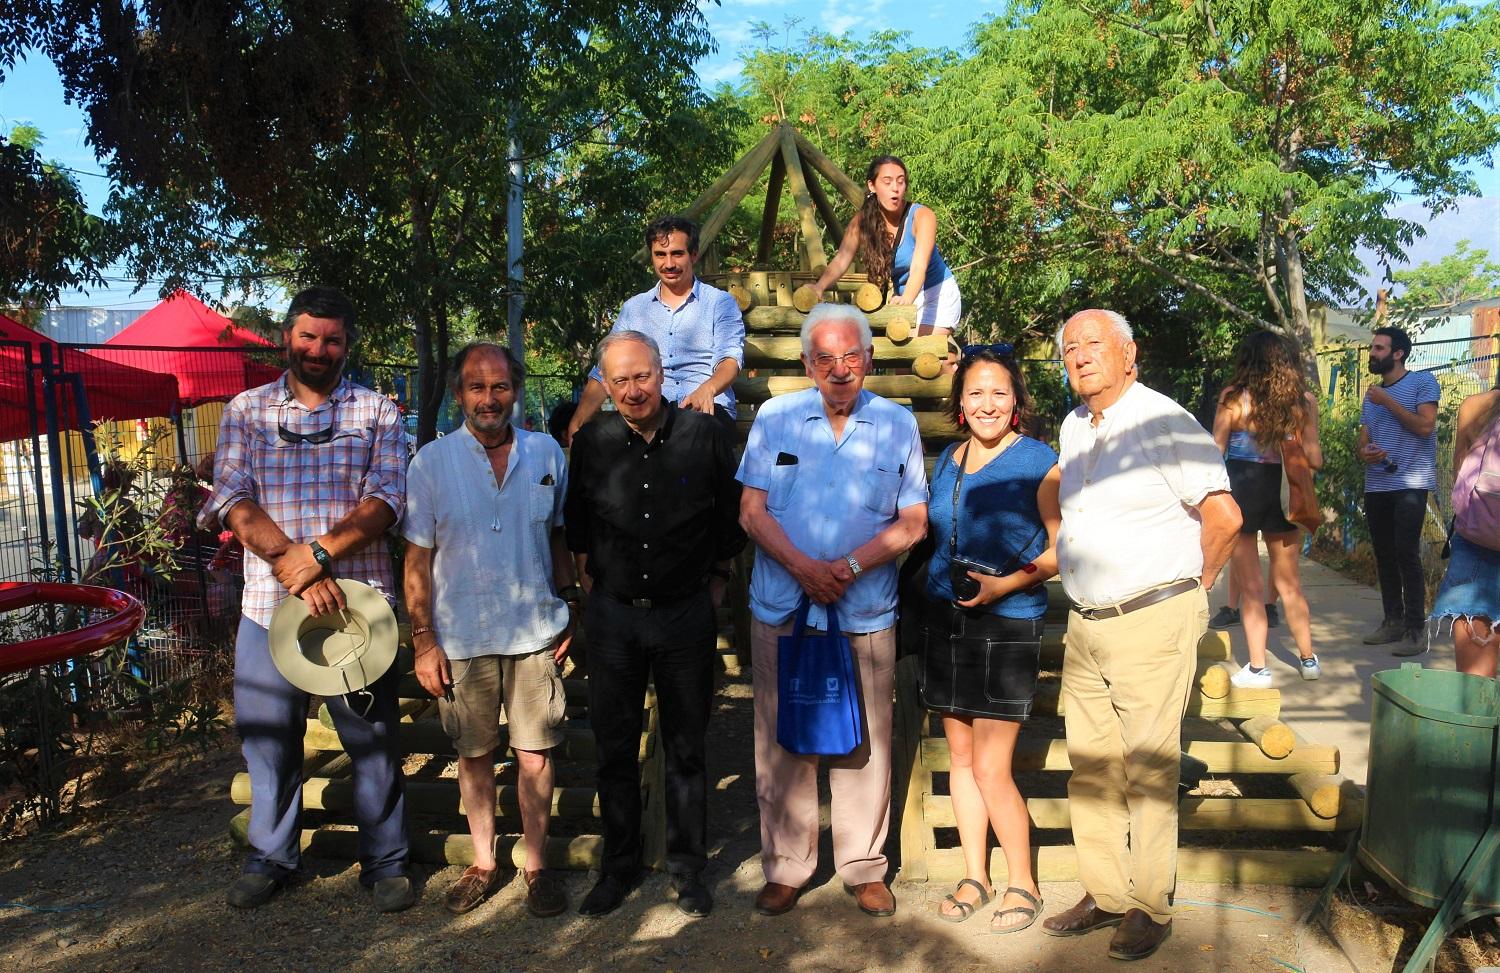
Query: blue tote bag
x=818, y=701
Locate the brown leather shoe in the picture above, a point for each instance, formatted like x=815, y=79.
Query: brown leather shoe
x=544, y=894
x=1084, y=917
x=472, y=888
x=1138, y=936
x=776, y=899
x=873, y=898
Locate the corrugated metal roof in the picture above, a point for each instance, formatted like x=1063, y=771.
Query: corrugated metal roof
x=87, y=325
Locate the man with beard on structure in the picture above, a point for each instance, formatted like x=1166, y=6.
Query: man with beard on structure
x=310, y=472
x=1398, y=443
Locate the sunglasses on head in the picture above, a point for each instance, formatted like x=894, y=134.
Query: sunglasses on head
x=999, y=348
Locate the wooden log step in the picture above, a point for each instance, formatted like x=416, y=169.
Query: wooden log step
x=765, y=318
x=411, y=709
x=932, y=426
x=1235, y=705
x=1273, y=737
x=1294, y=868
x=1326, y=794
x=1194, y=814
x=762, y=388
x=429, y=797
x=428, y=736
x=774, y=351
x=431, y=848
x=1223, y=757
x=1212, y=647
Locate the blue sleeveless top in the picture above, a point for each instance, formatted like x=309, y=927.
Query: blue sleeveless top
x=937, y=269
x=999, y=523
x=1242, y=445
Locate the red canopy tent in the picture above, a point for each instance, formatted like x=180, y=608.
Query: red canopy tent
x=207, y=352
x=114, y=391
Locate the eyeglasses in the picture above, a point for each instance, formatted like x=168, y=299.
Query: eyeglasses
x=317, y=438
x=851, y=359
x=999, y=348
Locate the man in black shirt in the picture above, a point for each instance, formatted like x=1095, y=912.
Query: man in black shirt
x=652, y=516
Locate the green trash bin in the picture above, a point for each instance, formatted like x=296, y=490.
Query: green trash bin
x=1431, y=793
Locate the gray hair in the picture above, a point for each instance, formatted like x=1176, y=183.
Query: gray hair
x=832, y=314
x=639, y=337
x=1115, y=318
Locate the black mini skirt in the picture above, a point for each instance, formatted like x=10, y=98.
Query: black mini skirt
x=978, y=664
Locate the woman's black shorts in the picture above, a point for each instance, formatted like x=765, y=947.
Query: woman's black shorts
x=978, y=664
x=1256, y=487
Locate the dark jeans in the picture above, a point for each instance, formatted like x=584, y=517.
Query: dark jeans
x=1395, y=520
x=672, y=645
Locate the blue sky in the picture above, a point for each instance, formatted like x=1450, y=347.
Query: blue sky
x=32, y=93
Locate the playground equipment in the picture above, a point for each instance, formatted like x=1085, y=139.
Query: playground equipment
x=126, y=615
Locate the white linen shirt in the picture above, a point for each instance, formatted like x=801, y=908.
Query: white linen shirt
x=1127, y=486
x=830, y=497
x=492, y=560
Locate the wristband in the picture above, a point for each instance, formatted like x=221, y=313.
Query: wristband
x=1029, y=567
x=424, y=630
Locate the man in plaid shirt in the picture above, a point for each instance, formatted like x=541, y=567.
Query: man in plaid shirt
x=310, y=473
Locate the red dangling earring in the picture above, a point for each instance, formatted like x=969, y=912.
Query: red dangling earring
x=963, y=420
x=1015, y=420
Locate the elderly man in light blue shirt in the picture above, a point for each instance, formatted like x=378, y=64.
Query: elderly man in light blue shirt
x=699, y=329
x=834, y=492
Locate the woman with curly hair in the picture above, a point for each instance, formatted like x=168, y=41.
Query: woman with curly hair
x=896, y=240
x=1265, y=403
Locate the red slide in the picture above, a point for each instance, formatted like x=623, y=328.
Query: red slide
x=128, y=613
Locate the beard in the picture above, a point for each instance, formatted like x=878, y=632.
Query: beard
x=490, y=423
x=321, y=380
x=1379, y=366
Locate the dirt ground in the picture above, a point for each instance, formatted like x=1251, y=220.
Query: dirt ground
x=137, y=884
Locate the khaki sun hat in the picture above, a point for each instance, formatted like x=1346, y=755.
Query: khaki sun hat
x=338, y=653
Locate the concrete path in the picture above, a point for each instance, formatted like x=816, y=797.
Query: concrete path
x=1336, y=708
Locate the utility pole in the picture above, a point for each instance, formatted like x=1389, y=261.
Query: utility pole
x=514, y=278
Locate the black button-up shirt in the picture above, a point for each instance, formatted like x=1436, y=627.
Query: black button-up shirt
x=653, y=517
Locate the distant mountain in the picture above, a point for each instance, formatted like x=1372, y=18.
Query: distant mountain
x=1473, y=218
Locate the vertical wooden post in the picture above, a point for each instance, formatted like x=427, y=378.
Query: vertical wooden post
x=814, y=254
x=825, y=208
x=911, y=779
x=768, y=216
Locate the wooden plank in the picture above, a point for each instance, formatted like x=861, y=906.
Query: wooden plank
x=913, y=778
x=429, y=797
x=781, y=284
x=736, y=192
x=1295, y=868
x=763, y=388
x=1238, y=704
x=1224, y=757
x=438, y=848
x=428, y=736
x=1273, y=737
x=1194, y=814
x=771, y=211
x=824, y=207
x=763, y=351
x=814, y=253
x=851, y=190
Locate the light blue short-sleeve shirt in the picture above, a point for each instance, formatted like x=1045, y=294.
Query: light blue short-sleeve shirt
x=830, y=497
x=1415, y=456
x=492, y=560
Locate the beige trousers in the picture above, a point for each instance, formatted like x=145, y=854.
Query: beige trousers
x=786, y=784
x=1125, y=685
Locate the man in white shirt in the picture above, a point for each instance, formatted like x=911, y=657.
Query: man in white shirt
x=492, y=595
x=1147, y=522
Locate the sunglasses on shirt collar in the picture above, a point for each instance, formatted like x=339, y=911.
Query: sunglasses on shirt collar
x=315, y=438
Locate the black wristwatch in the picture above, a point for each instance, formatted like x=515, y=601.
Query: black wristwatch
x=321, y=556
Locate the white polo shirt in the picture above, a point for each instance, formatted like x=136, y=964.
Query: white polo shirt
x=492, y=562
x=831, y=496
x=1127, y=486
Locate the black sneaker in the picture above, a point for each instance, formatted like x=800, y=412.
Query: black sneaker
x=1226, y=618
x=253, y=890
x=693, y=897
x=606, y=896
x=1272, y=618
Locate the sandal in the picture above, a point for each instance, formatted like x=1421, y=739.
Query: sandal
x=965, y=909
x=1030, y=913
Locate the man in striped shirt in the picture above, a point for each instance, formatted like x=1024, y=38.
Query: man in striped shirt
x=1398, y=443
x=310, y=472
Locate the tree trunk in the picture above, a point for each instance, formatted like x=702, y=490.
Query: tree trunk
x=1289, y=263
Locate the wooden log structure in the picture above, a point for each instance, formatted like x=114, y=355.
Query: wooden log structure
x=1193, y=814
x=1274, y=738
x=1223, y=757
x=777, y=351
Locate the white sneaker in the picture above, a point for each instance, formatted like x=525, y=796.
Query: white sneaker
x=1247, y=678
x=1310, y=668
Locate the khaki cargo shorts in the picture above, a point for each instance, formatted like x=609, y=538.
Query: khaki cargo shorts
x=529, y=688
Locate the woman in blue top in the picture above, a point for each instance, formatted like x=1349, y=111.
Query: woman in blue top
x=993, y=519
x=896, y=240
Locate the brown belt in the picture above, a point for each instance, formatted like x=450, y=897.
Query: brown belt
x=1152, y=597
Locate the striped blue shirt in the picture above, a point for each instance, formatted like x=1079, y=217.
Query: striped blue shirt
x=1415, y=456
x=703, y=331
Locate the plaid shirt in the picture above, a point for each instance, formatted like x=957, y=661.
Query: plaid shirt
x=306, y=488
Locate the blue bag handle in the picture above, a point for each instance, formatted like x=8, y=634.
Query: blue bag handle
x=805, y=605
